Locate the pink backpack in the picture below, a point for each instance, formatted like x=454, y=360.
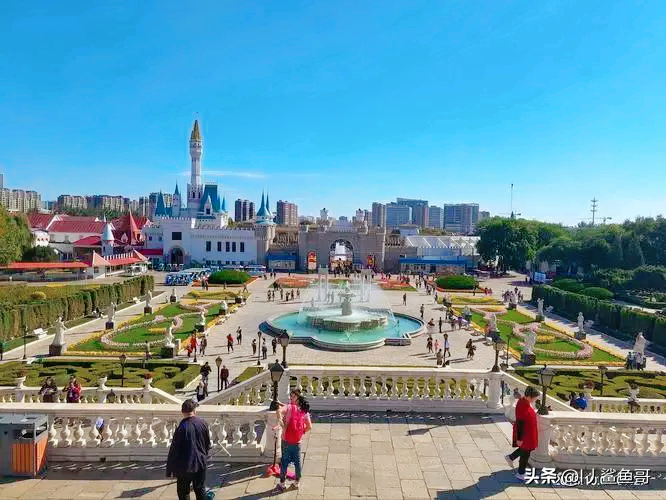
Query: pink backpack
x=295, y=427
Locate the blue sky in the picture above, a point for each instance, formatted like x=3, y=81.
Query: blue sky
x=338, y=104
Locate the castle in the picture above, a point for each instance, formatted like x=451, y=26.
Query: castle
x=198, y=232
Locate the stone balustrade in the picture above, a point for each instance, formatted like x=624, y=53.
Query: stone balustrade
x=602, y=440
x=121, y=395
x=253, y=391
x=394, y=388
x=127, y=432
x=621, y=405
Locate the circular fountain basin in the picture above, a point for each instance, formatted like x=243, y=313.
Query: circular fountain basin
x=332, y=319
x=348, y=338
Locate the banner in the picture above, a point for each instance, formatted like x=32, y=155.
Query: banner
x=371, y=261
x=312, y=260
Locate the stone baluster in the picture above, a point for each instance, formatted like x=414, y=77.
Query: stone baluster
x=299, y=383
x=79, y=434
x=124, y=432
x=66, y=433
x=644, y=444
x=494, y=400
x=320, y=387
x=107, y=434
x=658, y=443
x=151, y=436
x=633, y=445
x=447, y=389
x=94, y=436
x=53, y=433
x=252, y=434
x=136, y=432
x=238, y=434
x=245, y=398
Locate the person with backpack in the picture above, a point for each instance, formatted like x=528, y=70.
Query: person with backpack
x=295, y=421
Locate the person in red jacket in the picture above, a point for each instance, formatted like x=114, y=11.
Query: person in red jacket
x=525, y=432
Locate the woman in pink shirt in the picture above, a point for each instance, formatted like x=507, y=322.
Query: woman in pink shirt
x=295, y=421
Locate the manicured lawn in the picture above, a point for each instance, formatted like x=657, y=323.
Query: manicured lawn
x=17, y=342
x=517, y=317
x=616, y=382
x=480, y=300
x=216, y=294
x=167, y=375
x=506, y=331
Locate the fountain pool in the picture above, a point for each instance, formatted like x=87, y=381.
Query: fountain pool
x=349, y=316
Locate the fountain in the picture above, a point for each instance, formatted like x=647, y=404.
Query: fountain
x=346, y=315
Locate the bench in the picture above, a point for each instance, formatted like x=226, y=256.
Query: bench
x=39, y=333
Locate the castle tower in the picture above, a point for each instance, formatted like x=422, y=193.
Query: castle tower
x=107, y=239
x=176, y=203
x=195, y=188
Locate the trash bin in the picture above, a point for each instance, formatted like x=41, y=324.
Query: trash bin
x=26, y=438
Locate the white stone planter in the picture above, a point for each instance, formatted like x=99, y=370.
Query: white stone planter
x=101, y=382
x=19, y=381
x=147, y=382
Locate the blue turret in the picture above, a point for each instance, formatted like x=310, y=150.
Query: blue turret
x=223, y=208
x=160, y=208
x=262, y=210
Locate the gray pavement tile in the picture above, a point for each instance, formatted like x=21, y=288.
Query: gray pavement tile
x=337, y=477
x=337, y=493
x=410, y=471
x=392, y=493
x=414, y=489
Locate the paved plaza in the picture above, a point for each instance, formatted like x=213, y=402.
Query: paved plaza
x=378, y=456
x=348, y=455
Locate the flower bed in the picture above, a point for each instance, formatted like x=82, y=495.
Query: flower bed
x=395, y=285
x=294, y=282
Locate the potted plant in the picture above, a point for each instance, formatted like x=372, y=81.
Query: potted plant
x=147, y=379
x=20, y=378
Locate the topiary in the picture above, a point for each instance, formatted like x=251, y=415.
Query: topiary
x=569, y=285
x=457, y=282
x=597, y=293
x=38, y=296
x=228, y=277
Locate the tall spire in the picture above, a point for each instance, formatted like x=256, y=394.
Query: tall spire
x=223, y=207
x=177, y=191
x=268, y=205
x=262, y=210
x=196, y=133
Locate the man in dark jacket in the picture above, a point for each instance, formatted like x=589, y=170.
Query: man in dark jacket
x=188, y=455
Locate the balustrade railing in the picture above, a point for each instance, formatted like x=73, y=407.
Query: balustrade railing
x=144, y=432
x=587, y=440
x=393, y=388
x=621, y=405
x=118, y=395
x=253, y=391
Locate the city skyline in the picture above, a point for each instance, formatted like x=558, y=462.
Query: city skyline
x=341, y=107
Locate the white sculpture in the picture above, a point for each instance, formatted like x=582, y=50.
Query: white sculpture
x=639, y=345
x=581, y=323
x=530, y=341
x=512, y=298
x=173, y=292
x=202, y=318
x=149, y=299
x=493, y=323
x=168, y=339
x=112, y=311
x=540, y=307
x=60, y=328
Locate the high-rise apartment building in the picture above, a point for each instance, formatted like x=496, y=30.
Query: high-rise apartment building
x=287, y=213
x=104, y=202
x=378, y=217
x=72, y=202
x=396, y=215
x=461, y=218
x=435, y=217
x=20, y=200
x=419, y=210
x=243, y=210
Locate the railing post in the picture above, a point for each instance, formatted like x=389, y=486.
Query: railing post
x=494, y=401
x=273, y=435
x=283, y=386
x=541, y=456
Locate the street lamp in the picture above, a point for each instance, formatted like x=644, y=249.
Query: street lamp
x=25, y=336
x=546, y=376
x=602, y=371
x=259, y=348
x=277, y=371
x=284, y=339
x=498, y=345
x=123, y=359
x=218, y=362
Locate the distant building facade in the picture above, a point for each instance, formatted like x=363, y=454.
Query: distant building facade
x=378, y=217
x=244, y=210
x=435, y=217
x=419, y=210
x=461, y=218
x=287, y=213
x=19, y=200
x=397, y=215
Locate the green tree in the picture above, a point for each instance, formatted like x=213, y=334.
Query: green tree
x=509, y=242
x=15, y=236
x=40, y=254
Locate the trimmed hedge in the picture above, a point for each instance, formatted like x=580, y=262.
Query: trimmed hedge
x=457, y=282
x=569, y=285
x=612, y=317
x=597, y=293
x=14, y=318
x=228, y=277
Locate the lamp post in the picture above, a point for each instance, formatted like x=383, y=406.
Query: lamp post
x=284, y=339
x=196, y=345
x=25, y=336
x=276, y=370
x=546, y=376
x=259, y=348
x=498, y=345
x=123, y=359
x=218, y=362
x=602, y=371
